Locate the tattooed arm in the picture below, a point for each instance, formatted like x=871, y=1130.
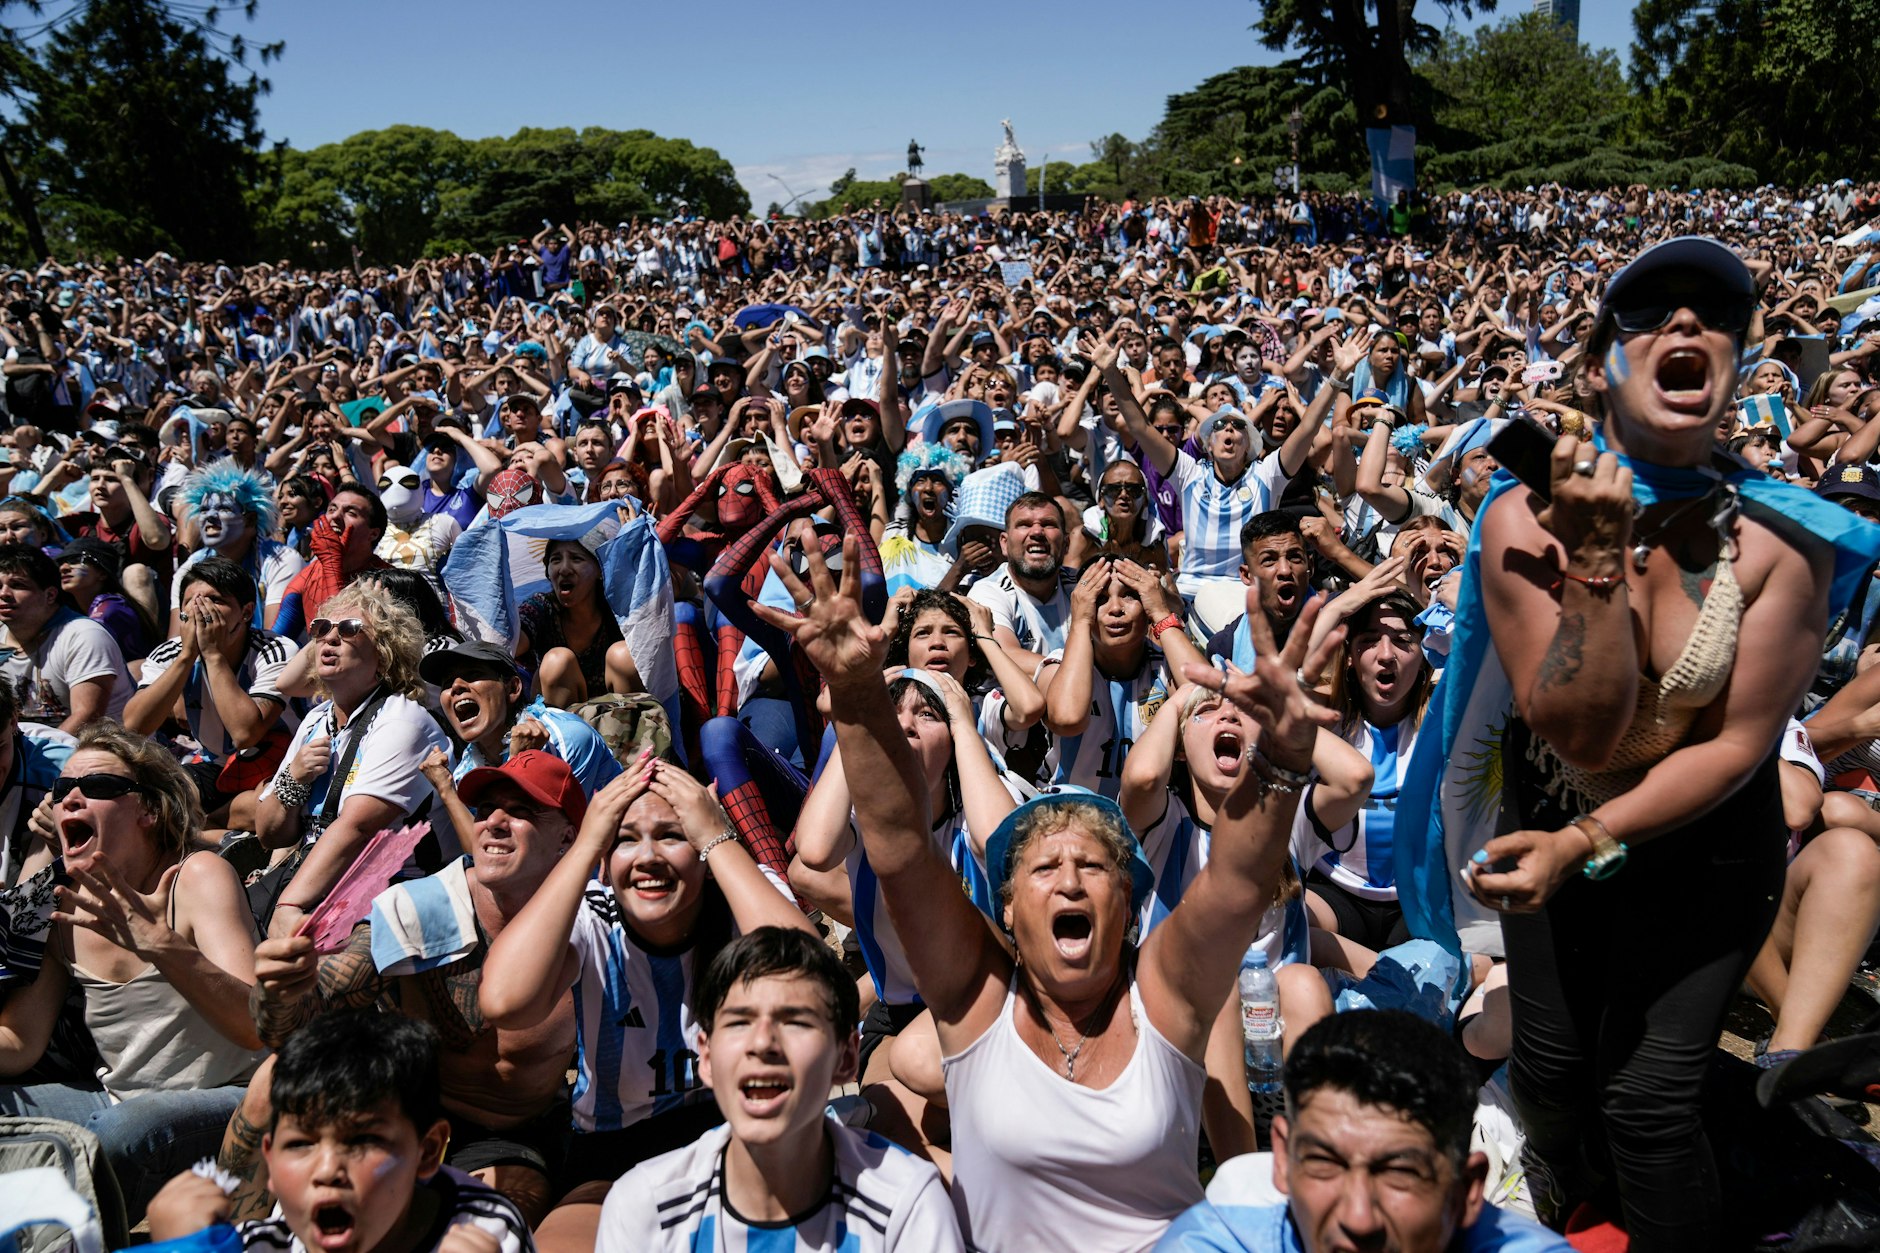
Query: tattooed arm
x=1567, y=648
x=291, y=990
x=240, y=1154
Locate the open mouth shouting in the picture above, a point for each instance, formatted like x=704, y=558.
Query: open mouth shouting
x=763, y=1095
x=76, y=831
x=1230, y=749
x=333, y=1225
x=1682, y=380
x=1071, y=931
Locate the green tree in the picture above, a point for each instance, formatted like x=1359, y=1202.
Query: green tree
x=1362, y=47
x=947, y=188
x=1523, y=100
x=133, y=128
x=1760, y=83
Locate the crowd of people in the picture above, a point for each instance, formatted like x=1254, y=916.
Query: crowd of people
x=786, y=733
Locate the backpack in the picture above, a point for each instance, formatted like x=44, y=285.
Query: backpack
x=628, y=724
x=57, y=1188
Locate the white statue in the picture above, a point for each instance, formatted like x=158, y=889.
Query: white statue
x=1008, y=165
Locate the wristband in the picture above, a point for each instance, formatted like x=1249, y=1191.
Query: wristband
x=291, y=792
x=1278, y=777
x=1170, y=623
x=1603, y=584
x=1608, y=854
x=704, y=854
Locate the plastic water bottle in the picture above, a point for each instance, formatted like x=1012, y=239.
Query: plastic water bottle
x=1260, y=1023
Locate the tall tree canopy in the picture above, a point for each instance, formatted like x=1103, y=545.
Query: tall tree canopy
x=133, y=128
x=1779, y=86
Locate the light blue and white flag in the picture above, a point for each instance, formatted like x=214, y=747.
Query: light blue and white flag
x=499, y=563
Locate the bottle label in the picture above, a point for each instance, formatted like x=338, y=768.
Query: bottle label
x=1259, y=1020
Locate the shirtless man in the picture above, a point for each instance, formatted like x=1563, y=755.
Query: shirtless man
x=503, y=1090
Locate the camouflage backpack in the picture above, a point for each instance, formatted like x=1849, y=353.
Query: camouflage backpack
x=628, y=724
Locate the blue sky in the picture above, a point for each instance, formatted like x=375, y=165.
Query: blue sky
x=792, y=92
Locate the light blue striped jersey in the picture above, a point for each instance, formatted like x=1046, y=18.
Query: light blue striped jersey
x=881, y=1198
x=1177, y=848
x=882, y=950
x=1359, y=857
x=634, y=1028
x=1213, y=513
x=1120, y=713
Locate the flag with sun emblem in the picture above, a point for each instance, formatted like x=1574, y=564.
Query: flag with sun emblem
x=498, y=563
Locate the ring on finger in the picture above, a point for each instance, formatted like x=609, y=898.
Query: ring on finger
x=1584, y=469
x=1299, y=676
x=1504, y=902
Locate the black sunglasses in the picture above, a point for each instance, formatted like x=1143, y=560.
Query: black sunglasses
x=1718, y=315
x=96, y=787
x=1116, y=491
x=1230, y=424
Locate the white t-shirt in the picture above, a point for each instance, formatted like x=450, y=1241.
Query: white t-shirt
x=401, y=735
x=1039, y=625
x=259, y=675
x=71, y=650
x=881, y=1198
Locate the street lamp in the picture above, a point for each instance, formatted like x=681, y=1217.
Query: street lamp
x=795, y=196
x=1295, y=122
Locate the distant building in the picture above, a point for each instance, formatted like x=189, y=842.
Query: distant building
x=1564, y=12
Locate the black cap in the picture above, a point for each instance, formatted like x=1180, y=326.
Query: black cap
x=445, y=664
x=95, y=553
x=1849, y=480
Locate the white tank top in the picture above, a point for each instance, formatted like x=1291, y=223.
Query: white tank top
x=1041, y=1163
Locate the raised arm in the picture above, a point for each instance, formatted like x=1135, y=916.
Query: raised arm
x=960, y=969
x=532, y=962
x=1569, y=648
x=1188, y=964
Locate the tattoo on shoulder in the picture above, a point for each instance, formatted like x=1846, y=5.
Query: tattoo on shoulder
x=1565, y=652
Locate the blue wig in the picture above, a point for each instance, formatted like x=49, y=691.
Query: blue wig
x=245, y=487
x=930, y=459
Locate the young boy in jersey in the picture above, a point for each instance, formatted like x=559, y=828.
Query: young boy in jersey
x=777, y=1016
x=355, y=1154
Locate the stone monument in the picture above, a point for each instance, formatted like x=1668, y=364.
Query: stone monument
x=1008, y=165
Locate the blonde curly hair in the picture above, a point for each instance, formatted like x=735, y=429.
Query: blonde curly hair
x=396, y=635
x=171, y=796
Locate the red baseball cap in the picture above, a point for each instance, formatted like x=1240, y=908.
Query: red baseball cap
x=543, y=776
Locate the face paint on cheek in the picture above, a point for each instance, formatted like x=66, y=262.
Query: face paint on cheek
x=1469, y=477
x=1618, y=370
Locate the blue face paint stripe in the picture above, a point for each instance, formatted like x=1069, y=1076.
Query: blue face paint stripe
x=1618, y=370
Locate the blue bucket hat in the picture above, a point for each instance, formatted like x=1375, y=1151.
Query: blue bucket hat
x=999, y=847
x=935, y=419
x=983, y=499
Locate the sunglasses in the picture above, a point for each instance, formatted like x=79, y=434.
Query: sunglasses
x=1117, y=491
x=1230, y=424
x=1719, y=315
x=349, y=628
x=96, y=787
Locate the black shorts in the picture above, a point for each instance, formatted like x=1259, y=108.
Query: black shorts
x=541, y=1143
x=882, y=1023
x=607, y=1155
x=1377, y=925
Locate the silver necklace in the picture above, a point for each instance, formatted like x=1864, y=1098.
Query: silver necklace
x=1069, y=1055
x=1641, y=548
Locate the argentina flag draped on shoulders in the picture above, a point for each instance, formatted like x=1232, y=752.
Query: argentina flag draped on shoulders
x=1451, y=798
x=497, y=564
